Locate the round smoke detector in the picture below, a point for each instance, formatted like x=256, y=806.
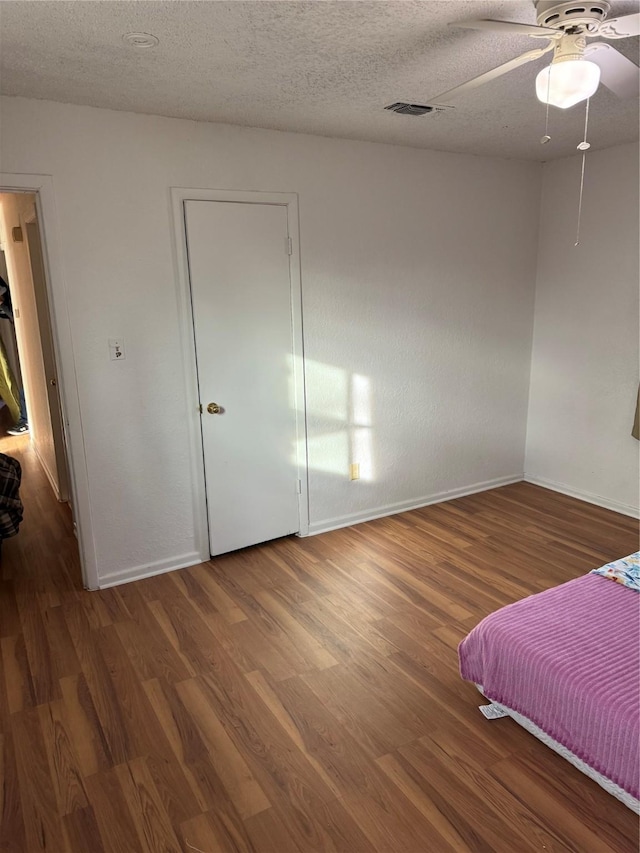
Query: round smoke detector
x=140, y=40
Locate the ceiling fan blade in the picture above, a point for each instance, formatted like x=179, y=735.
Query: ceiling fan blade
x=509, y=27
x=616, y=71
x=529, y=56
x=621, y=28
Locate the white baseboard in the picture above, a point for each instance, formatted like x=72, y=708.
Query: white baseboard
x=52, y=480
x=316, y=527
x=589, y=497
x=148, y=570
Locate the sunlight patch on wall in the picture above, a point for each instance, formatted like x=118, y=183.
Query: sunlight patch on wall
x=329, y=453
x=328, y=391
x=360, y=427
x=339, y=411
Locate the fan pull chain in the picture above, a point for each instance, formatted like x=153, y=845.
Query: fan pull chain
x=546, y=138
x=584, y=147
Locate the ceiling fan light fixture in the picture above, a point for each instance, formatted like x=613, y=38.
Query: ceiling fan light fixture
x=564, y=84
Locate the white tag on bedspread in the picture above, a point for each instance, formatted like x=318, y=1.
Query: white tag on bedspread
x=493, y=711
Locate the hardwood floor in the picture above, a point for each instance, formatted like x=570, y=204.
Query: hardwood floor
x=298, y=696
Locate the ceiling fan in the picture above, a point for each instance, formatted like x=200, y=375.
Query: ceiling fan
x=577, y=66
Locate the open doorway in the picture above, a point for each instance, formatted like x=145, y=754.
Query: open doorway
x=31, y=422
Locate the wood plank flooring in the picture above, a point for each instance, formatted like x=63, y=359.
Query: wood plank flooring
x=298, y=696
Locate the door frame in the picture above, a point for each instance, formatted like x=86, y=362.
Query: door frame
x=179, y=195
x=42, y=187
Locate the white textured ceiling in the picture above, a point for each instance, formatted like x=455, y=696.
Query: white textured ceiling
x=312, y=66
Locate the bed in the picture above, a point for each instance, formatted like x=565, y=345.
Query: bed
x=565, y=664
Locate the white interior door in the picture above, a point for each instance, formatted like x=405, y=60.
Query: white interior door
x=241, y=299
x=58, y=473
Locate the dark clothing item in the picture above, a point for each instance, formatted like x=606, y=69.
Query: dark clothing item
x=23, y=420
x=6, y=307
x=11, y=509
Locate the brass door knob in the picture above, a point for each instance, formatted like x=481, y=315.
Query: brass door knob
x=214, y=409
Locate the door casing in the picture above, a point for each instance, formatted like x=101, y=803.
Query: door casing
x=290, y=200
x=42, y=187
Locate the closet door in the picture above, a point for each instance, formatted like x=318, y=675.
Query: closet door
x=241, y=297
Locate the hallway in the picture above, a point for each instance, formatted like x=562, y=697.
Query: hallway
x=43, y=557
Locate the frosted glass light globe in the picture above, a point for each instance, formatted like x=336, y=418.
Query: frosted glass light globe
x=563, y=84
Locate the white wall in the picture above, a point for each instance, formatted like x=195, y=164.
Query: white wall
x=417, y=270
x=584, y=375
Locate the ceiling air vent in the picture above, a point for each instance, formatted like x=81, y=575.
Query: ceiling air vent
x=410, y=109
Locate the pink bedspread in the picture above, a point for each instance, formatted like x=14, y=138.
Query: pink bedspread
x=569, y=660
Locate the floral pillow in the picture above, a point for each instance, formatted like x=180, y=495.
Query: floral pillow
x=625, y=571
